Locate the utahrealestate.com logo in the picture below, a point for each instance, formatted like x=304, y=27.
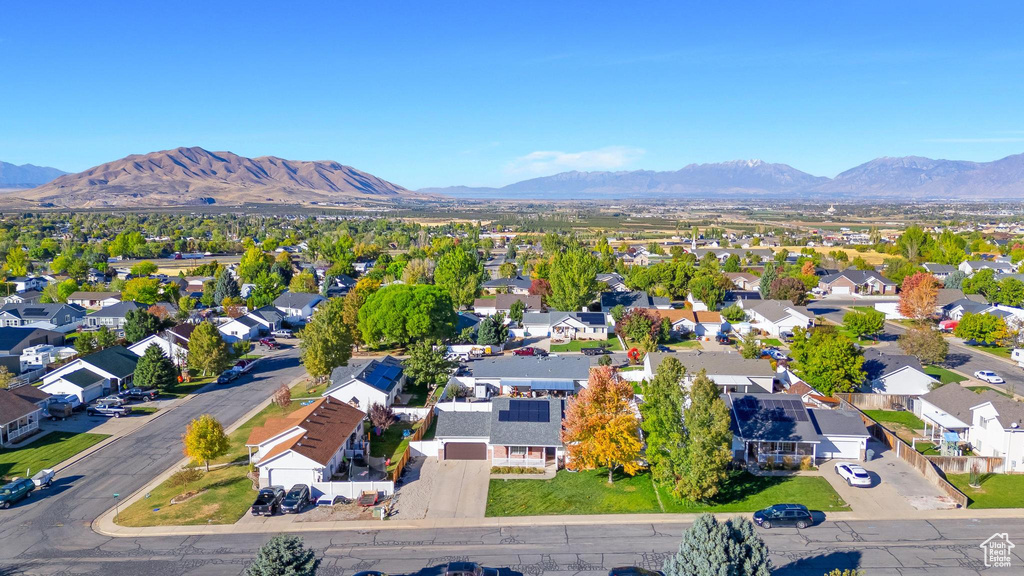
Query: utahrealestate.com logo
x=998, y=550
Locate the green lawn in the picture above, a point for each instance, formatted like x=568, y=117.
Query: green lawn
x=927, y=448
x=45, y=452
x=862, y=341
x=943, y=375
x=227, y=496
x=391, y=444
x=1001, y=351
x=305, y=390
x=577, y=345
x=144, y=410
x=901, y=417
x=996, y=490
x=185, y=388
x=588, y=492
x=237, y=452
x=772, y=342
x=862, y=308
x=684, y=344
x=980, y=389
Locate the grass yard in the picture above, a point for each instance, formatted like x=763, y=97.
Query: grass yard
x=588, y=492
x=943, y=375
x=772, y=342
x=391, y=444
x=237, y=451
x=305, y=389
x=996, y=490
x=46, y=452
x=1001, y=351
x=927, y=448
x=901, y=417
x=862, y=308
x=849, y=334
x=226, y=495
x=577, y=345
x=185, y=388
x=684, y=344
x=144, y=410
x=980, y=389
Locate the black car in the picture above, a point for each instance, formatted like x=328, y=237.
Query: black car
x=296, y=499
x=595, y=351
x=633, y=571
x=787, y=336
x=468, y=569
x=784, y=515
x=140, y=394
x=268, y=501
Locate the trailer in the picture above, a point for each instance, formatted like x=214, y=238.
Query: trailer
x=1018, y=356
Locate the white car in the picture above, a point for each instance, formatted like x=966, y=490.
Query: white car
x=854, y=474
x=988, y=376
x=282, y=333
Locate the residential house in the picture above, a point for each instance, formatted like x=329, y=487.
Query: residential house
x=969, y=267
x=851, y=281
x=312, y=444
x=843, y=434
x=614, y=281
x=561, y=326
x=26, y=297
x=298, y=307
x=703, y=324
x=113, y=316
x=773, y=317
x=173, y=342
x=744, y=280
x=26, y=283
x=93, y=376
x=62, y=317
x=631, y=300
x=19, y=418
x=365, y=382
x=503, y=303
x=731, y=372
x=955, y=310
x=515, y=285
x=997, y=429
x=94, y=300
x=940, y=271
x=522, y=432
x=723, y=254
x=244, y=327
x=527, y=375
x=270, y=317
x=895, y=374
x=948, y=409
x=466, y=320
x=14, y=340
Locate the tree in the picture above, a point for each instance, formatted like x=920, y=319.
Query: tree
x=918, y=296
x=926, y=344
x=253, y=263
x=771, y=272
x=573, y=280
x=732, y=264
x=508, y=270
x=662, y=412
x=326, y=340
x=85, y=344
x=283, y=396
x=144, y=268
x=381, y=417
x=399, y=314
x=515, y=312
x=492, y=331
x=955, y=280
x=225, y=287
x=984, y=328
x=1011, y=292
x=139, y=323
x=284, y=555
x=600, y=428
x=418, y=271
x=734, y=313
x=708, y=442
x=155, y=370
x=144, y=290
x=105, y=338
x=204, y=440
x=709, y=288
x=789, y=288
x=982, y=282
x=459, y=274
x=711, y=548
x=540, y=287
x=750, y=346
x=266, y=288
x=6, y=376
x=207, y=350
x=864, y=323
x=428, y=365
x=303, y=282
x=911, y=242
x=827, y=360
x=354, y=301
x=642, y=326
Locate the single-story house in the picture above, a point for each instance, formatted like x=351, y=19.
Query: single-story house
x=614, y=281
x=242, y=328
x=566, y=325
x=723, y=254
x=701, y=323
x=269, y=316
x=93, y=376
x=969, y=267
x=895, y=374
x=365, y=382
x=94, y=300
x=503, y=303
x=851, y=281
x=997, y=429
x=955, y=310
x=310, y=445
x=113, y=316
x=59, y=315
x=730, y=371
x=527, y=375
x=635, y=299
x=15, y=339
x=774, y=317
x=744, y=280
x=843, y=434
x=19, y=418
x=940, y=271
x=26, y=297
x=514, y=285
x=523, y=432
x=298, y=307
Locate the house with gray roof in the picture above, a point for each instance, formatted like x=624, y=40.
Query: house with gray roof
x=852, y=281
x=948, y=409
x=26, y=297
x=503, y=303
x=730, y=371
x=523, y=432
x=298, y=307
x=997, y=429
x=64, y=316
x=773, y=317
x=113, y=316
x=955, y=310
x=90, y=377
x=527, y=375
x=940, y=271
x=368, y=381
x=563, y=326
x=19, y=417
x=13, y=340
x=895, y=374
x=515, y=285
x=969, y=267
x=635, y=299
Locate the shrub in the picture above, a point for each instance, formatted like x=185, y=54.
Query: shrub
x=283, y=396
x=185, y=476
x=807, y=463
x=787, y=462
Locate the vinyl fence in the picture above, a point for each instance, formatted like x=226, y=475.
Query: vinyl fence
x=352, y=490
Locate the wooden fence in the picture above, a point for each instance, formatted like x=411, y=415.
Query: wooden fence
x=416, y=436
x=879, y=401
x=963, y=464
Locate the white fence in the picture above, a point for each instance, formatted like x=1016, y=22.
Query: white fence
x=351, y=490
x=463, y=406
x=411, y=414
x=428, y=448
x=27, y=377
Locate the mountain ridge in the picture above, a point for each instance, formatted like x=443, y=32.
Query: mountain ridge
x=26, y=175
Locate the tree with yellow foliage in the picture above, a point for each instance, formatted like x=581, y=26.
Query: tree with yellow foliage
x=204, y=440
x=601, y=427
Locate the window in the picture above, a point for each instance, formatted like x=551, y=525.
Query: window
x=517, y=451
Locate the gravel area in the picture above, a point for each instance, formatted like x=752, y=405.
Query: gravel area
x=415, y=492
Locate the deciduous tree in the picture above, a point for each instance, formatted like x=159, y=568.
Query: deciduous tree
x=304, y=282
x=709, y=288
x=983, y=328
x=918, y=296
x=866, y=323
x=573, y=280
x=926, y=344
x=789, y=288
x=144, y=290
x=601, y=429
x=283, y=396
x=253, y=263
x=515, y=312
x=105, y=338
x=381, y=417
x=326, y=340
x=459, y=273
x=428, y=365
x=662, y=411
x=708, y=442
x=827, y=360
x=400, y=314
x=207, y=350
x=204, y=440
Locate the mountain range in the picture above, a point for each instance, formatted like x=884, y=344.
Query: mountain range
x=26, y=175
x=906, y=178
x=195, y=176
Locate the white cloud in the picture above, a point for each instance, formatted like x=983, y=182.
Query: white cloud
x=544, y=162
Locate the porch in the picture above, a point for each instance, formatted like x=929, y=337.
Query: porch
x=523, y=456
x=18, y=429
x=762, y=452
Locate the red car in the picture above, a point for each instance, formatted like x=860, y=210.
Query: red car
x=529, y=351
x=269, y=343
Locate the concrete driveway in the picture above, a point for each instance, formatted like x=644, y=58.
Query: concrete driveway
x=450, y=489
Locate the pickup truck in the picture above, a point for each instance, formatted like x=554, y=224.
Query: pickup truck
x=140, y=394
x=268, y=501
x=594, y=351
x=108, y=410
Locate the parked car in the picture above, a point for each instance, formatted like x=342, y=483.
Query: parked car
x=283, y=333
x=723, y=339
x=529, y=351
x=595, y=351
x=296, y=499
x=268, y=501
x=784, y=515
x=786, y=336
x=370, y=573
x=776, y=354
x=229, y=375
x=633, y=571
x=139, y=394
x=269, y=342
x=15, y=491
x=854, y=474
x=109, y=410
x=468, y=569
x=114, y=400
x=988, y=376
x=59, y=409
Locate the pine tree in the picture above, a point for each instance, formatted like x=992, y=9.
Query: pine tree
x=155, y=369
x=225, y=287
x=105, y=338
x=710, y=548
x=138, y=324
x=769, y=276
x=284, y=555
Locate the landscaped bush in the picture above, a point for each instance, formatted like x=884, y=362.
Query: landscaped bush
x=186, y=476
x=787, y=462
x=807, y=463
x=515, y=470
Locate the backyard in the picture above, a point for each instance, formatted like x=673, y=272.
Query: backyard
x=46, y=452
x=904, y=424
x=589, y=492
x=943, y=375
x=996, y=490
x=392, y=444
x=577, y=345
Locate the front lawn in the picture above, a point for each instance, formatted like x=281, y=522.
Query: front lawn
x=849, y=334
x=237, y=452
x=684, y=344
x=144, y=410
x=996, y=490
x=226, y=495
x=577, y=345
x=772, y=342
x=1001, y=351
x=588, y=492
x=46, y=452
x=183, y=389
x=901, y=417
x=943, y=375
x=307, y=389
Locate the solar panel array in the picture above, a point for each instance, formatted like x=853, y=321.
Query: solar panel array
x=774, y=409
x=525, y=411
x=382, y=376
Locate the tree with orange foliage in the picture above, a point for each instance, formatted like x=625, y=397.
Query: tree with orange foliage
x=601, y=427
x=807, y=269
x=918, y=296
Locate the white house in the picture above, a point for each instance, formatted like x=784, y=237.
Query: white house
x=26, y=283
x=776, y=316
x=503, y=303
x=969, y=267
x=948, y=409
x=297, y=307
x=895, y=374
x=173, y=342
x=241, y=328
x=93, y=376
x=509, y=432
x=365, y=382
x=566, y=325
x=997, y=429
x=312, y=444
x=94, y=300
x=731, y=372
x=702, y=323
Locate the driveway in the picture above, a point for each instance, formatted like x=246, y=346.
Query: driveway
x=450, y=489
x=896, y=486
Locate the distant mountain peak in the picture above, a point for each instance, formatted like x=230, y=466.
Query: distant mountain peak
x=26, y=175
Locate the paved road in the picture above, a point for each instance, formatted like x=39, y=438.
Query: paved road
x=57, y=521
x=961, y=357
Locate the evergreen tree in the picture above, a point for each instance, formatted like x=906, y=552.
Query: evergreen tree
x=710, y=548
x=155, y=370
x=138, y=324
x=662, y=412
x=284, y=555
x=492, y=331
x=225, y=287
x=769, y=276
x=427, y=364
x=105, y=338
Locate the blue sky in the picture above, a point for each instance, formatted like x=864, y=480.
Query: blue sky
x=488, y=93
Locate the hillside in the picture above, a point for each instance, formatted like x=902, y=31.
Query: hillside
x=194, y=176
x=26, y=175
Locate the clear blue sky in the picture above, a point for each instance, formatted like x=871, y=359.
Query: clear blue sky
x=487, y=93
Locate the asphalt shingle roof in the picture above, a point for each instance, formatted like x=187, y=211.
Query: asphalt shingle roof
x=13, y=407
x=296, y=299
x=83, y=377
x=716, y=363
x=518, y=433
x=838, y=423
x=576, y=367
x=452, y=424
x=957, y=401
x=878, y=364
x=858, y=277
x=638, y=299
x=760, y=417
x=116, y=360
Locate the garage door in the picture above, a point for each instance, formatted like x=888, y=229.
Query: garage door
x=842, y=448
x=288, y=477
x=841, y=290
x=465, y=451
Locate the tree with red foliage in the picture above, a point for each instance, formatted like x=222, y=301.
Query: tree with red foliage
x=919, y=294
x=641, y=325
x=540, y=287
